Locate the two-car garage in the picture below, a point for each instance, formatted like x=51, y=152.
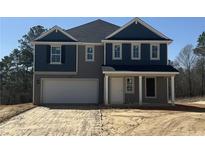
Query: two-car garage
x=69, y=91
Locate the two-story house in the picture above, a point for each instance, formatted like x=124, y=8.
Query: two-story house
x=102, y=63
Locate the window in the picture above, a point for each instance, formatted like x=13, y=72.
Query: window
x=89, y=56
x=55, y=55
x=129, y=84
x=117, y=52
x=136, y=52
x=150, y=85
x=154, y=52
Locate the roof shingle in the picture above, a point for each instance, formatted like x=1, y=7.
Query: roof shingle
x=143, y=68
x=93, y=32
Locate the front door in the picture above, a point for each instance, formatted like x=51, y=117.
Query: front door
x=116, y=91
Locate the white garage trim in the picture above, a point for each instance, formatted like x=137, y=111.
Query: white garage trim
x=94, y=99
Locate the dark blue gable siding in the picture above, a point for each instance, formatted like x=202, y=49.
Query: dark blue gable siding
x=42, y=62
x=136, y=32
x=145, y=55
x=56, y=37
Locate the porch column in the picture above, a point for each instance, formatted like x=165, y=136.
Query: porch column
x=140, y=90
x=106, y=89
x=172, y=90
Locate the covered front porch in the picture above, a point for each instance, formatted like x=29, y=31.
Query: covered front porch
x=138, y=87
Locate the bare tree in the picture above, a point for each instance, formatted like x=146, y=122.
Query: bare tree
x=186, y=60
x=200, y=52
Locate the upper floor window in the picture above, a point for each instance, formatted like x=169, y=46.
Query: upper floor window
x=129, y=84
x=136, y=52
x=55, y=55
x=154, y=52
x=89, y=56
x=116, y=52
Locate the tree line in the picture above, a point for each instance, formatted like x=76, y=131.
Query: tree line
x=191, y=65
x=16, y=70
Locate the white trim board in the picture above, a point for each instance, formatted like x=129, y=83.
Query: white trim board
x=137, y=41
x=104, y=47
x=124, y=73
x=65, y=43
x=54, y=73
x=58, y=29
x=136, y=20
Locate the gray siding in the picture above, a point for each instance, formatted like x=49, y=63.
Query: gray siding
x=136, y=32
x=133, y=98
x=85, y=70
x=145, y=55
x=161, y=92
x=56, y=37
x=42, y=59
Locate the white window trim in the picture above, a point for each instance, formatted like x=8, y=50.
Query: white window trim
x=113, y=51
x=86, y=52
x=132, y=53
x=54, y=54
x=155, y=80
x=158, y=55
x=133, y=84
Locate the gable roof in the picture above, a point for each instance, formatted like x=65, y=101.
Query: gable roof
x=136, y=20
x=98, y=31
x=93, y=32
x=53, y=29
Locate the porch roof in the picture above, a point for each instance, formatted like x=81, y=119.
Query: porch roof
x=139, y=69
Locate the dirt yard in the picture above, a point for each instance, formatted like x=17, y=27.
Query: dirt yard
x=183, y=119
x=144, y=122
x=8, y=111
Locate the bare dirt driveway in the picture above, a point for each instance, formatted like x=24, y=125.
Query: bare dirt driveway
x=47, y=121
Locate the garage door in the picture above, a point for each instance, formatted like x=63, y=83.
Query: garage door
x=69, y=91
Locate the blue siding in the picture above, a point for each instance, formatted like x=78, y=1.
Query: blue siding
x=145, y=55
x=136, y=32
x=41, y=59
x=56, y=37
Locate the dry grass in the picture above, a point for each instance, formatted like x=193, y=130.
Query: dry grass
x=8, y=111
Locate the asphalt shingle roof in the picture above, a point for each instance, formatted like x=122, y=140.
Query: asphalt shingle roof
x=143, y=68
x=93, y=32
